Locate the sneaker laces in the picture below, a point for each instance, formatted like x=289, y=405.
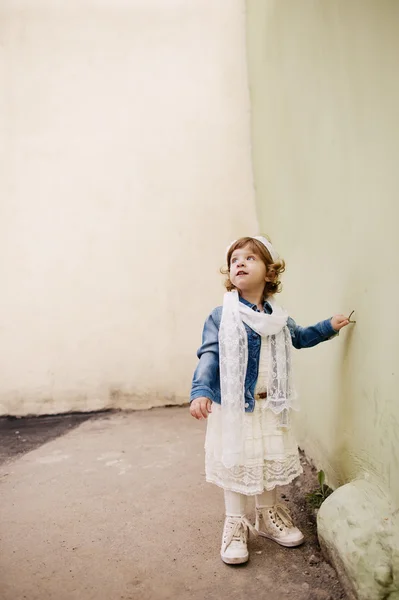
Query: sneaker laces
x=237, y=529
x=283, y=514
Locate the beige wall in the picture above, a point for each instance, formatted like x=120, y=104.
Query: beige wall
x=325, y=99
x=124, y=172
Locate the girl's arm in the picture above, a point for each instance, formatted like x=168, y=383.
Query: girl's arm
x=306, y=337
x=206, y=374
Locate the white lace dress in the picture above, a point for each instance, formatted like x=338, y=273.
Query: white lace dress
x=271, y=452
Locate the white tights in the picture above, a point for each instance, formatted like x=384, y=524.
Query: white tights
x=236, y=503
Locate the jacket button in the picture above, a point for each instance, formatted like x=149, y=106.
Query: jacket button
x=246, y=405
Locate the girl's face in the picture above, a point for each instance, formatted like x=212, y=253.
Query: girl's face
x=247, y=270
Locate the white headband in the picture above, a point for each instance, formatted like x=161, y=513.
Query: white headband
x=275, y=256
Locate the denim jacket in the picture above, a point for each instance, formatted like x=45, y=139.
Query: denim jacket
x=206, y=381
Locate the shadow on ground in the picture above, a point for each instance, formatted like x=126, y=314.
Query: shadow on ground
x=20, y=435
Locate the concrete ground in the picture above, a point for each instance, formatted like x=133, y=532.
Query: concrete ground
x=118, y=509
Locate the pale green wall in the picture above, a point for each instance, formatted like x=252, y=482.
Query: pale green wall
x=324, y=82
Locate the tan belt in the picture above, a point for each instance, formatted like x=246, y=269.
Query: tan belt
x=261, y=396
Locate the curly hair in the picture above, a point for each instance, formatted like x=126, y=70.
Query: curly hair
x=272, y=268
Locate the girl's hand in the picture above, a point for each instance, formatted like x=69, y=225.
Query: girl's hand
x=200, y=407
x=339, y=321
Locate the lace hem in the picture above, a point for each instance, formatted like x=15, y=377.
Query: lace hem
x=253, y=479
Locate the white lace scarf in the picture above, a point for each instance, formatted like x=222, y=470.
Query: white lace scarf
x=233, y=360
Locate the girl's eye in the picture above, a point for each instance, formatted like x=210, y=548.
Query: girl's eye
x=233, y=260
x=251, y=258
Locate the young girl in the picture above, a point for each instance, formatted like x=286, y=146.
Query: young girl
x=244, y=382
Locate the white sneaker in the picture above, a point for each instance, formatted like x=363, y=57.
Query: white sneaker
x=234, y=549
x=275, y=523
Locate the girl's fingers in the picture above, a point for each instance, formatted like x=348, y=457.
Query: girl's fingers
x=200, y=410
x=343, y=323
x=204, y=410
x=340, y=321
x=194, y=410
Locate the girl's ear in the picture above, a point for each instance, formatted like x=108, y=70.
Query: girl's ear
x=270, y=275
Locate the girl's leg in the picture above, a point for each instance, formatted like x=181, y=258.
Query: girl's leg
x=235, y=504
x=274, y=521
x=236, y=527
x=267, y=499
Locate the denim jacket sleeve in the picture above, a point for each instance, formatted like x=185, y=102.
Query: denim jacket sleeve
x=306, y=337
x=206, y=375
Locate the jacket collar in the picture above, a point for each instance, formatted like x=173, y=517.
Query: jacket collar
x=266, y=306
